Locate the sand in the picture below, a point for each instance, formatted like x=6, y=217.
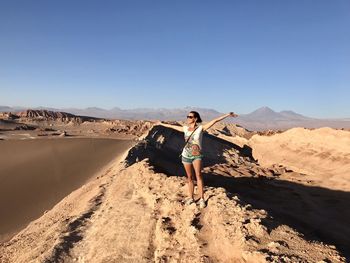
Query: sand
x=36, y=174
x=133, y=211
x=136, y=215
x=322, y=155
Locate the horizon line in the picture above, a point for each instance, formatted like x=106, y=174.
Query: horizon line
x=158, y=108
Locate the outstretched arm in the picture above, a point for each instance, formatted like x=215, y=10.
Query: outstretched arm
x=212, y=122
x=175, y=127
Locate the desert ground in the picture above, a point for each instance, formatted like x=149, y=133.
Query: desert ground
x=95, y=190
x=36, y=174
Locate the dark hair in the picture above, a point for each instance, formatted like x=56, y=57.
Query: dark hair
x=196, y=115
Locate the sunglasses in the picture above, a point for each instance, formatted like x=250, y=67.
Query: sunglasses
x=190, y=117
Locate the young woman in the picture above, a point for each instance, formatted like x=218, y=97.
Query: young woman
x=192, y=152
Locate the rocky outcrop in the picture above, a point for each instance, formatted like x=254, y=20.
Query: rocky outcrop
x=128, y=127
x=8, y=116
x=46, y=115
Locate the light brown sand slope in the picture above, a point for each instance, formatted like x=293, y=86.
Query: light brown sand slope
x=135, y=213
x=36, y=174
x=323, y=154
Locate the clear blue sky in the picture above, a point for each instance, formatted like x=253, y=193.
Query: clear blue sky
x=226, y=55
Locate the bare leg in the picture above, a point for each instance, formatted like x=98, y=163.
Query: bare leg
x=197, y=164
x=188, y=168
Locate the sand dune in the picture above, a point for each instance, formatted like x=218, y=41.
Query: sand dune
x=136, y=215
x=36, y=174
x=322, y=154
x=134, y=212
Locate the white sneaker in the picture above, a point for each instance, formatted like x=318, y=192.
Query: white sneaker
x=202, y=203
x=189, y=201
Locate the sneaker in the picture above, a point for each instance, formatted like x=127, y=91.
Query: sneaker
x=202, y=203
x=189, y=201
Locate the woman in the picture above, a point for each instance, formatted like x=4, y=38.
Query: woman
x=192, y=152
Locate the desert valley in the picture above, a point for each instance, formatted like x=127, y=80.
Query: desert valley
x=90, y=189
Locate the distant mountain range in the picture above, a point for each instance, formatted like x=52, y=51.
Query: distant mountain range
x=261, y=119
x=265, y=118
x=132, y=114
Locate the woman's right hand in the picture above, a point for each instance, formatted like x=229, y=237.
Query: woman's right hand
x=232, y=114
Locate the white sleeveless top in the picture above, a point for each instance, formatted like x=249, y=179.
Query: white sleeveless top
x=194, y=145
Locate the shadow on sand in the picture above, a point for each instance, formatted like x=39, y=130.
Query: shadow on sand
x=318, y=213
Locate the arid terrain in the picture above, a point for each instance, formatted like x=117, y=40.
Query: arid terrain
x=82, y=189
